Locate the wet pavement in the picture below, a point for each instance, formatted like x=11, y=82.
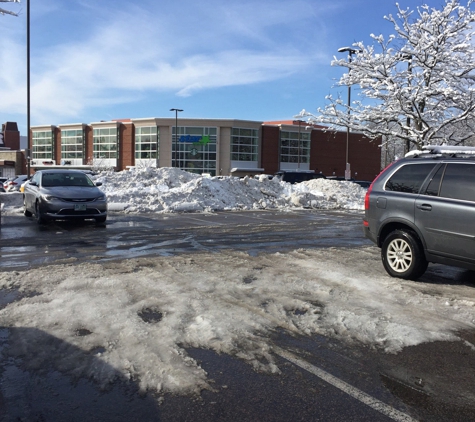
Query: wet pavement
x=239, y=393
x=25, y=244
x=428, y=382
x=402, y=382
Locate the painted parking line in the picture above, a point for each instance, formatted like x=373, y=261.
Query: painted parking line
x=346, y=388
x=204, y=221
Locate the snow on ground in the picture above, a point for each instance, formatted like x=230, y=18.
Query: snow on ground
x=228, y=301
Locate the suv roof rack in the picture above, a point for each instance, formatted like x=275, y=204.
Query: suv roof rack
x=438, y=150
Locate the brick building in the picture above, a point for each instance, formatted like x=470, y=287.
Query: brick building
x=213, y=146
x=12, y=160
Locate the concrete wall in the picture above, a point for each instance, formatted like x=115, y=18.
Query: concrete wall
x=16, y=157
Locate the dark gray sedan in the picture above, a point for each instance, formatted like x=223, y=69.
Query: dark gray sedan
x=63, y=195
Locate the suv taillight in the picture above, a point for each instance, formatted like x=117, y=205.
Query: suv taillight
x=366, y=198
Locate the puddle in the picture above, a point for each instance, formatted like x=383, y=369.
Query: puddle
x=8, y=296
x=82, y=332
x=150, y=315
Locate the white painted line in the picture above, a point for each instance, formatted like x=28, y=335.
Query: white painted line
x=346, y=388
x=204, y=221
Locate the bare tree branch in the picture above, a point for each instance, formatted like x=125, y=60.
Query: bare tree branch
x=417, y=86
x=8, y=12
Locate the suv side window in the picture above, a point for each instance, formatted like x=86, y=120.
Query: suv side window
x=434, y=185
x=409, y=178
x=459, y=182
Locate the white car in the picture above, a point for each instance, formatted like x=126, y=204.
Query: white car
x=15, y=184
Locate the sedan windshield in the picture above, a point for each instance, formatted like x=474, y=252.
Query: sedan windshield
x=66, y=179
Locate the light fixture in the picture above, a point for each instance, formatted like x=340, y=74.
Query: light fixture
x=350, y=51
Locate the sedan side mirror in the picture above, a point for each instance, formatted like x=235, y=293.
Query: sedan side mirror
x=98, y=183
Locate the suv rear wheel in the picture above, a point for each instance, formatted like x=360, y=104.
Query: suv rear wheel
x=403, y=256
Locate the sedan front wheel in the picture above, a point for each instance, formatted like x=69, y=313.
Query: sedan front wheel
x=40, y=219
x=26, y=213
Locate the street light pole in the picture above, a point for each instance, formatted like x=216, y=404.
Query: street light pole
x=8, y=12
x=28, y=104
x=176, y=110
x=350, y=51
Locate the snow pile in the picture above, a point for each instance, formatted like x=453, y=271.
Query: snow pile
x=166, y=190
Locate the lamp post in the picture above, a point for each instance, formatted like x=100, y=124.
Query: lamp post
x=176, y=110
x=350, y=51
x=8, y=12
x=28, y=102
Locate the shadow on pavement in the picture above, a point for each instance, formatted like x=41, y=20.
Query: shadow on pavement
x=33, y=388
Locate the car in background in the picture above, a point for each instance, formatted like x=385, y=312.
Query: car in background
x=5, y=183
x=363, y=183
x=58, y=194
x=421, y=209
x=2, y=181
x=22, y=187
x=298, y=176
x=263, y=176
x=15, y=184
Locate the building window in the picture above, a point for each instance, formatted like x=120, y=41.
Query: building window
x=72, y=146
x=146, y=144
x=196, y=149
x=105, y=145
x=43, y=142
x=244, y=144
x=293, y=149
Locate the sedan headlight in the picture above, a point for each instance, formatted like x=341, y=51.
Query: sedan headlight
x=101, y=198
x=51, y=198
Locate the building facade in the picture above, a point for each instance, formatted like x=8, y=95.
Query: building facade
x=12, y=160
x=204, y=146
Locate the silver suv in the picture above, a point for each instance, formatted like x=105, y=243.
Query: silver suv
x=421, y=209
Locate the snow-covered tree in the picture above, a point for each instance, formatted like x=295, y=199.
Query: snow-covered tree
x=8, y=12
x=417, y=86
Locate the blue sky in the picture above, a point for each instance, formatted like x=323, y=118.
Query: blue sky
x=243, y=59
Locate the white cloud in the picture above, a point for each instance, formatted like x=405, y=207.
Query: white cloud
x=126, y=52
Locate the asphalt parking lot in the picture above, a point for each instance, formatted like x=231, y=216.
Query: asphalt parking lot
x=430, y=381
